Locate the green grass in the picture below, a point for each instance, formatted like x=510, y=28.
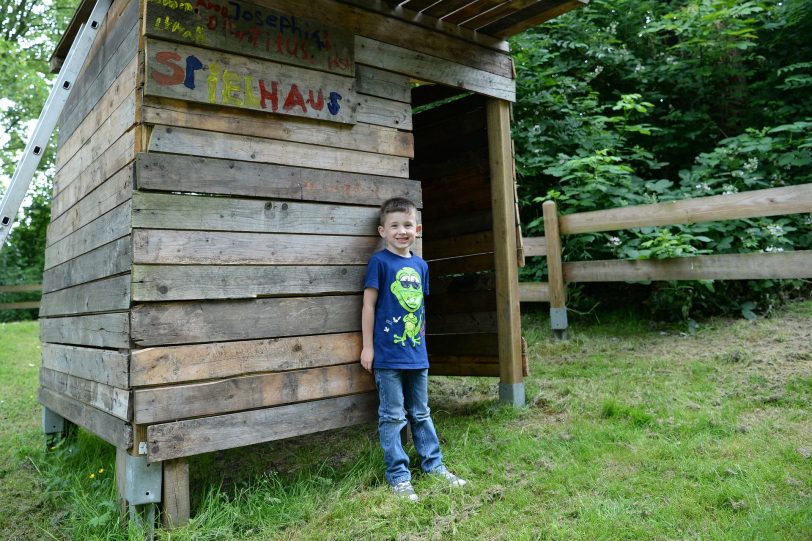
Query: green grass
x=633, y=431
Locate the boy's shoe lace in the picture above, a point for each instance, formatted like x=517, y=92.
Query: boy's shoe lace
x=405, y=490
x=452, y=479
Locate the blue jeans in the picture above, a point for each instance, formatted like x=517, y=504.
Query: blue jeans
x=400, y=390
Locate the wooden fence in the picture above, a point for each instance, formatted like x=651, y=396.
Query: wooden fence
x=20, y=288
x=752, y=204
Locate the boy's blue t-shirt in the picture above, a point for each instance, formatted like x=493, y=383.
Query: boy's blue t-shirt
x=399, y=335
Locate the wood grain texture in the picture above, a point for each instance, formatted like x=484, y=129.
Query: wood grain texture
x=384, y=112
x=175, y=502
x=534, y=246
x=182, y=282
x=557, y=290
x=461, y=265
x=383, y=84
x=109, y=428
x=104, y=229
x=113, y=401
x=169, y=211
x=455, y=365
x=104, y=295
x=98, y=330
x=108, y=58
x=108, y=110
x=107, y=260
x=433, y=69
x=109, y=367
x=534, y=291
x=245, y=148
x=157, y=404
x=167, y=172
x=196, y=436
x=757, y=266
x=458, y=246
x=176, y=364
x=226, y=248
x=769, y=202
x=68, y=191
x=500, y=152
x=196, y=322
x=114, y=191
x=361, y=136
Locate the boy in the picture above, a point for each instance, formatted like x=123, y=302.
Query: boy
x=393, y=327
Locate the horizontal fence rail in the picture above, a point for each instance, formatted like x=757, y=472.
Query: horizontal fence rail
x=753, y=266
x=20, y=288
x=756, y=203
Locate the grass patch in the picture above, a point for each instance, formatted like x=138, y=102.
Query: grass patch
x=632, y=431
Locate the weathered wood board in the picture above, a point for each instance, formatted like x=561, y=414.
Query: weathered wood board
x=364, y=137
x=98, y=330
x=156, y=404
x=165, y=246
x=169, y=211
x=253, y=30
x=109, y=428
x=104, y=295
x=110, y=400
x=105, y=366
x=106, y=228
x=112, y=258
x=755, y=266
x=197, y=282
x=198, y=322
x=201, y=75
x=196, y=436
x=434, y=69
x=177, y=173
x=245, y=148
x=176, y=364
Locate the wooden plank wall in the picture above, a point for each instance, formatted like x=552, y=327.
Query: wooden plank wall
x=451, y=159
x=84, y=313
x=251, y=234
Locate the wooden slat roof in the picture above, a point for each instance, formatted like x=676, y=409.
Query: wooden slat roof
x=484, y=21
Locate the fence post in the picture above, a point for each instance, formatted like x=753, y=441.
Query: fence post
x=558, y=292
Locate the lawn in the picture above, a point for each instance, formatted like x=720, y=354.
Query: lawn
x=633, y=431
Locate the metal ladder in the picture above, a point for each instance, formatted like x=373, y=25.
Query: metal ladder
x=27, y=166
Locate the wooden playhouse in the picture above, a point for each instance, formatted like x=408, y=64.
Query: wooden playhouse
x=219, y=170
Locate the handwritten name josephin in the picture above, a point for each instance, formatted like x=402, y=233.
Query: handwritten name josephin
x=242, y=27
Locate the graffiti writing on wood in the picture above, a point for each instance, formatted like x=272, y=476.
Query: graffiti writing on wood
x=253, y=30
x=206, y=76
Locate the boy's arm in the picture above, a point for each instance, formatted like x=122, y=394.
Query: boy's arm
x=367, y=326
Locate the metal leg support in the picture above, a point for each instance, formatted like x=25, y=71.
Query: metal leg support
x=559, y=323
x=140, y=488
x=55, y=427
x=512, y=393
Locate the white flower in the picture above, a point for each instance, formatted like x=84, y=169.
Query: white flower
x=775, y=230
x=614, y=241
x=773, y=249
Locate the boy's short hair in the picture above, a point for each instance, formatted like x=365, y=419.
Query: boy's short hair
x=396, y=204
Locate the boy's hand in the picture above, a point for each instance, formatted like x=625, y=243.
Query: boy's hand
x=367, y=355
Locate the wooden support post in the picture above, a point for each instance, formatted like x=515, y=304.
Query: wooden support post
x=511, y=385
x=558, y=292
x=175, y=498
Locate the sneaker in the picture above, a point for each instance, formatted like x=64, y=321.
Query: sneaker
x=453, y=480
x=405, y=490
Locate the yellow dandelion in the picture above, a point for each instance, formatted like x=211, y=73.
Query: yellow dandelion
x=92, y=475
x=101, y=470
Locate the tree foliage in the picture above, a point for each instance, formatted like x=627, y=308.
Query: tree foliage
x=627, y=102
x=29, y=31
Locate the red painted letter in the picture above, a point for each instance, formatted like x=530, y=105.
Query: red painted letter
x=272, y=95
x=294, y=98
x=166, y=58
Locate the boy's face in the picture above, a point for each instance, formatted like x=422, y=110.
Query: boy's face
x=399, y=230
